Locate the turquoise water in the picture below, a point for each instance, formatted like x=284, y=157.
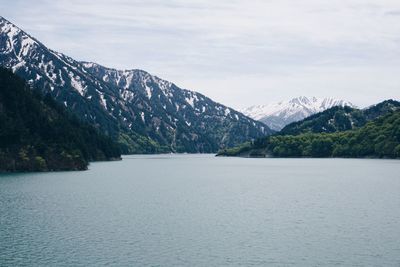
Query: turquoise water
x=197, y=210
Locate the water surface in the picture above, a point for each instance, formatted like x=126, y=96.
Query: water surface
x=197, y=210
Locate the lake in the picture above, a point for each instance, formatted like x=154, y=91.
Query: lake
x=198, y=210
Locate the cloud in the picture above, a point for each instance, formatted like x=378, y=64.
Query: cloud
x=393, y=13
x=239, y=52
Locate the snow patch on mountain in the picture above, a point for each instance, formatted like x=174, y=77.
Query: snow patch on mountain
x=76, y=83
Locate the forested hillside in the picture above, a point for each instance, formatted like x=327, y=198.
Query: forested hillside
x=37, y=134
x=377, y=139
x=339, y=119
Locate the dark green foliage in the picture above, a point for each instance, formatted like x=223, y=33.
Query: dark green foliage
x=37, y=134
x=377, y=139
x=332, y=120
x=380, y=109
x=339, y=119
x=238, y=150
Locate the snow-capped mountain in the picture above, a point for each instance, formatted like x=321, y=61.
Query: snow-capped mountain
x=278, y=115
x=340, y=118
x=144, y=112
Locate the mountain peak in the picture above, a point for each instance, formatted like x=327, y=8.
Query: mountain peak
x=4, y=20
x=147, y=113
x=12, y=31
x=278, y=115
x=15, y=45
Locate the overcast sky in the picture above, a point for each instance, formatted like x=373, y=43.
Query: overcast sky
x=239, y=53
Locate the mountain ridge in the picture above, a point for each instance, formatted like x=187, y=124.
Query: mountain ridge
x=278, y=115
x=339, y=118
x=376, y=136
x=143, y=112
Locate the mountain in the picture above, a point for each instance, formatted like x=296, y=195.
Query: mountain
x=174, y=116
x=339, y=118
x=278, y=115
x=143, y=112
x=38, y=134
x=379, y=138
x=380, y=109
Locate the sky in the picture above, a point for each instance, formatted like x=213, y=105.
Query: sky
x=239, y=53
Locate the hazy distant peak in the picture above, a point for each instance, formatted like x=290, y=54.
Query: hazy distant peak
x=277, y=115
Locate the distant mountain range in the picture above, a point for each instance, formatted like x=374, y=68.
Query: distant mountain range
x=144, y=113
x=278, y=115
x=338, y=118
x=335, y=132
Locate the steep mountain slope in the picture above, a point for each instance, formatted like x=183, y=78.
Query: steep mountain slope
x=62, y=77
x=278, y=115
x=338, y=119
x=379, y=138
x=37, y=134
x=171, y=115
x=144, y=113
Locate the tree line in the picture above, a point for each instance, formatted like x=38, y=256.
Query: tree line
x=38, y=134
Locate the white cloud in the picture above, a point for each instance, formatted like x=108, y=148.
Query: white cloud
x=238, y=52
